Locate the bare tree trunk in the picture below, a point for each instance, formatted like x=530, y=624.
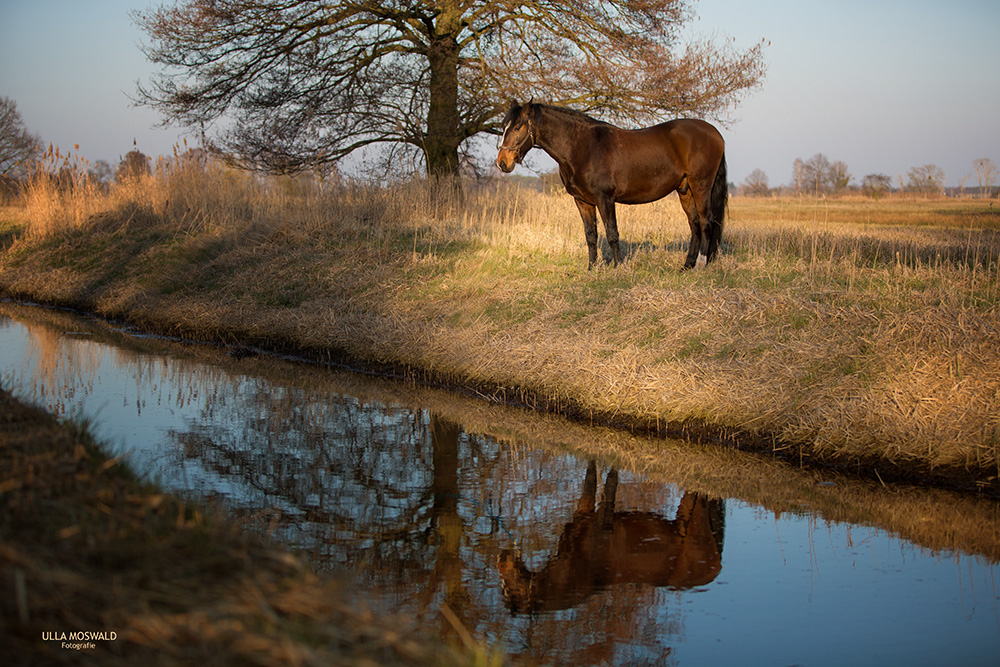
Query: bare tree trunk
x=442, y=139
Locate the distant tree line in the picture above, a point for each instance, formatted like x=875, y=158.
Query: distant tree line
x=24, y=157
x=820, y=177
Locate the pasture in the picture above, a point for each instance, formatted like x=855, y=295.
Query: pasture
x=848, y=332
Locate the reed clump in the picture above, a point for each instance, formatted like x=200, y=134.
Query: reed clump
x=856, y=333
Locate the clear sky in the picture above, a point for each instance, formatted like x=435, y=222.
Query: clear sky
x=881, y=85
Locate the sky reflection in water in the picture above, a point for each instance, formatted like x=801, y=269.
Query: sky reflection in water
x=418, y=511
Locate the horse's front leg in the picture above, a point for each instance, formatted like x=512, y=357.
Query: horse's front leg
x=606, y=510
x=607, y=208
x=589, y=214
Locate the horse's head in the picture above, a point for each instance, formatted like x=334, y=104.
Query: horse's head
x=518, y=135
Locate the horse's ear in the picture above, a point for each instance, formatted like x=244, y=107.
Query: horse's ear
x=513, y=104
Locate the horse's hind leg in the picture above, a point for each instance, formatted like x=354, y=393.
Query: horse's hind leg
x=589, y=214
x=715, y=237
x=711, y=231
x=694, y=220
x=607, y=208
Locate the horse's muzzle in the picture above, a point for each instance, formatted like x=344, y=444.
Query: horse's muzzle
x=506, y=160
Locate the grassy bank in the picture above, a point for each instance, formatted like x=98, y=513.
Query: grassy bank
x=85, y=547
x=853, y=333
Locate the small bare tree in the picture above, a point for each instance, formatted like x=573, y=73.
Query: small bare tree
x=817, y=173
x=961, y=184
x=926, y=180
x=986, y=170
x=798, y=176
x=838, y=177
x=874, y=185
x=755, y=184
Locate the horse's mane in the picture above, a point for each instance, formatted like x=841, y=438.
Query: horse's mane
x=573, y=114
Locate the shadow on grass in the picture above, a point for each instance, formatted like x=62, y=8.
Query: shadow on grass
x=10, y=230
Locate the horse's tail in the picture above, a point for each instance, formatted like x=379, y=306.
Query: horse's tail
x=720, y=197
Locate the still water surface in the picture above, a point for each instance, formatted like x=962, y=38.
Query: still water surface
x=556, y=558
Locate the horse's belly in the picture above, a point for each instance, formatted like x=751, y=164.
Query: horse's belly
x=645, y=195
x=645, y=184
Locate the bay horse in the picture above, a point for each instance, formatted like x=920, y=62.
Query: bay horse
x=601, y=548
x=602, y=165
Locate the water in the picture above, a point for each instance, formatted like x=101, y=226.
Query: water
x=426, y=499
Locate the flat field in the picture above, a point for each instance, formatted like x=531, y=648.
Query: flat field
x=850, y=332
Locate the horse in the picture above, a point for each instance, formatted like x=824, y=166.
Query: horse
x=602, y=165
x=602, y=547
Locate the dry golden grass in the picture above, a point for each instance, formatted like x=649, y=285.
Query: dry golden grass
x=850, y=332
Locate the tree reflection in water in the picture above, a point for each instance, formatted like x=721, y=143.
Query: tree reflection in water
x=420, y=511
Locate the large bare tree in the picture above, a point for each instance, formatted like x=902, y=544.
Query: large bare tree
x=291, y=84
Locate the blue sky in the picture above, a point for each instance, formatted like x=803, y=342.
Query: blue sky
x=882, y=86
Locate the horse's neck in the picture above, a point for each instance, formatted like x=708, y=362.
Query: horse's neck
x=557, y=129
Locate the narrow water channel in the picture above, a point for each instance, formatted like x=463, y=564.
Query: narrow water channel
x=537, y=537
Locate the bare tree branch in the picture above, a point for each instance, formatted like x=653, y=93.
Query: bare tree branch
x=293, y=83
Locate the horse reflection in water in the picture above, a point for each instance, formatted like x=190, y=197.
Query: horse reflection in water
x=602, y=547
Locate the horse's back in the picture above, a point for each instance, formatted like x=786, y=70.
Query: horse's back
x=691, y=137
x=649, y=163
x=688, y=126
